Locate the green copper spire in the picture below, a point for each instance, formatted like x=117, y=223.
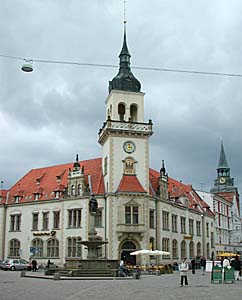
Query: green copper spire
x=222, y=159
x=124, y=80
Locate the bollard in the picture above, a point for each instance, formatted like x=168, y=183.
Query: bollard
x=56, y=276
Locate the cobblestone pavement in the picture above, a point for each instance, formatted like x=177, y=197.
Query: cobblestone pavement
x=164, y=287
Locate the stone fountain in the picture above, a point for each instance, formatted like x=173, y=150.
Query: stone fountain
x=93, y=266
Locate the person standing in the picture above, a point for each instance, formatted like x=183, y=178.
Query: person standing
x=183, y=268
x=236, y=265
x=226, y=262
x=203, y=264
x=193, y=265
x=34, y=265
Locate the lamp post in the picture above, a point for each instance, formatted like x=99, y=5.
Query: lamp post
x=203, y=235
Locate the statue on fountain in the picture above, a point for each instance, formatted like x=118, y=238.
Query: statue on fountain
x=93, y=205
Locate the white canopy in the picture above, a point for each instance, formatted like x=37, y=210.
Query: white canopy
x=149, y=252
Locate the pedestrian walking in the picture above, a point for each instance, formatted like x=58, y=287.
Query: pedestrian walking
x=193, y=265
x=183, y=268
x=236, y=265
x=34, y=265
x=203, y=264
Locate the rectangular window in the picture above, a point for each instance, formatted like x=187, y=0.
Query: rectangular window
x=165, y=220
x=45, y=221
x=35, y=221
x=131, y=215
x=152, y=218
x=98, y=218
x=74, y=218
x=207, y=229
x=212, y=240
x=183, y=225
x=191, y=229
x=74, y=247
x=127, y=214
x=174, y=223
x=198, y=225
x=166, y=244
x=15, y=222
x=56, y=219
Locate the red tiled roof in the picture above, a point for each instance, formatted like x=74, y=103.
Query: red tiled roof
x=130, y=184
x=3, y=196
x=178, y=189
x=226, y=195
x=229, y=196
x=44, y=180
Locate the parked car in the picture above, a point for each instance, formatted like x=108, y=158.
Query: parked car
x=1, y=264
x=16, y=264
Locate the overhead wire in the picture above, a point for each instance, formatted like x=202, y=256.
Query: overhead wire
x=197, y=72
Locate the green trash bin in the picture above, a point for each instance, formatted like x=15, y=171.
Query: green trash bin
x=216, y=275
x=229, y=275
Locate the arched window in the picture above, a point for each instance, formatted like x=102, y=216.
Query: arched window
x=121, y=111
x=14, y=247
x=79, y=189
x=174, y=249
x=133, y=112
x=183, y=249
x=74, y=247
x=52, y=248
x=37, y=247
x=73, y=190
x=191, y=249
x=198, y=249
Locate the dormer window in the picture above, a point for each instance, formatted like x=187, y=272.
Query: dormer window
x=36, y=196
x=38, y=181
x=17, y=198
x=58, y=177
x=57, y=194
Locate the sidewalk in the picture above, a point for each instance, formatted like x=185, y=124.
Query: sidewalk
x=149, y=287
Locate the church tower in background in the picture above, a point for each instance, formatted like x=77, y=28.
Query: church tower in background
x=223, y=182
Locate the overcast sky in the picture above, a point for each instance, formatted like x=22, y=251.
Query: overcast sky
x=49, y=115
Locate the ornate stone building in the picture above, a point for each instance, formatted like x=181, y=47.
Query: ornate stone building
x=45, y=214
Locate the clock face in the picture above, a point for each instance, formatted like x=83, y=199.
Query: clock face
x=129, y=147
x=222, y=180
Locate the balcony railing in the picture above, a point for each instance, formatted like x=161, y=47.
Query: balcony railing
x=129, y=126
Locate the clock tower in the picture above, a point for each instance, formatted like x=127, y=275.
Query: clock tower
x=223, y=182
x=124, y=135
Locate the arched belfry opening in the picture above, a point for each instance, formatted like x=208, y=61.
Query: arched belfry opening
x=133, y=113
x=121, y=111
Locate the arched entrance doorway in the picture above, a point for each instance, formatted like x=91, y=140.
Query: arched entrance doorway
x=126, y=249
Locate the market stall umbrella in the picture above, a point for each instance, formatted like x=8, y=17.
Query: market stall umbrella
x=228, y=254
x=160, y=252
x=142, y=252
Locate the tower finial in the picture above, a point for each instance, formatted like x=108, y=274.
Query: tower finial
x=125, y=13
x=124, y=80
